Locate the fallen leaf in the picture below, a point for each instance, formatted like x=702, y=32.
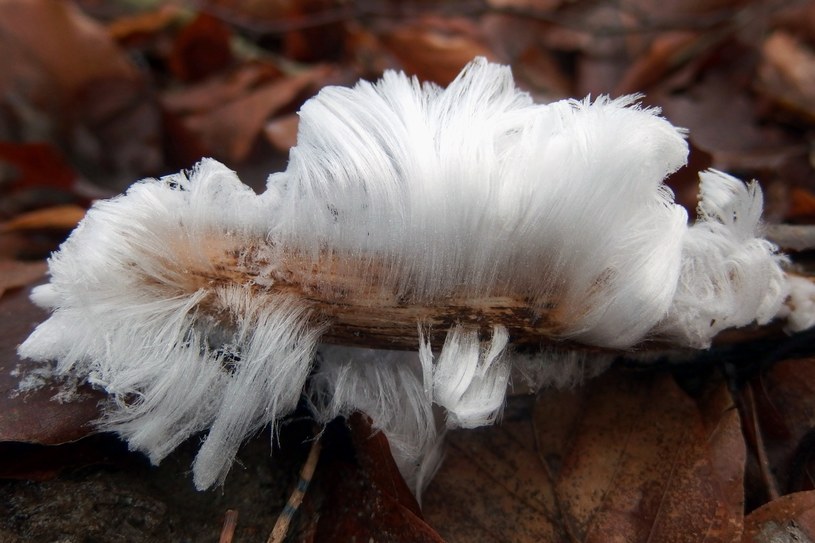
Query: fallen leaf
x=636, y=459
x=317, y=33
x=34, y=417
x=537, y=71
x=436, y=49
x=787, y=73
x=231, y=130
x=666, y=53
x=202, y=48
x=135, y=27
x=788, y=519
x=220, y=89
x=60, y=217
x=492, y=486
x=364, y=496
x=801, y=205
x=37, y=165
x=737, y=140
x=785, y=405
x=15, y=274
x=64, y=79
x=51, y=49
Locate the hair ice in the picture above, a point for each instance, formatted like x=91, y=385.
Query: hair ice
x=468, y=212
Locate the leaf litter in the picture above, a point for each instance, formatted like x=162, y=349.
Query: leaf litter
x=629, y=456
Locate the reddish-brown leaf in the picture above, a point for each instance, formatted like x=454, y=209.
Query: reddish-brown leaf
x=492, y=487
x=219, y=90
x=666, y=53
x=365, y=497
x=60, y=217
x=15, y=274
x=736, y=140
x=789, y=519
x=231, y=130
x=787, y=73
x=51, y=49
x=801, y=206
x=435, y=49
x=131, y=29
x=37, y=165
x=785, y=405
x=638, y=460
x=202, y=48
x=64, y=79
x=34, y=417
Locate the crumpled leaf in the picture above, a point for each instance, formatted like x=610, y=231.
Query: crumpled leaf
x=788, y=519
x=51, y=50
x=231, y=130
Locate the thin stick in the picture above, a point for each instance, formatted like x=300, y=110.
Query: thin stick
x=761, y=453
x=281, y=527
x=230, y=523
x=789, y=236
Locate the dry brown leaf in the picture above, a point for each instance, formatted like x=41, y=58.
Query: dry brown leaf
x=667, y=52
x=537, y=71
x=231, y=130
x=34, y=417
x=202, y=48
x=789, y=519
x=539, y=6
x=787, y=73
x=785, y=404
x=63, y=78
x=51, y=50
x=219, y=90
x=37, y=165
x=801, y=205
x=133, y=27
x=436, y=49
x=60, y=217
x=626, y=458
x=14, y=274
x=722, y=120
x=364, y=497
x=317, y=32
x=493, y=487
x=638, y=460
